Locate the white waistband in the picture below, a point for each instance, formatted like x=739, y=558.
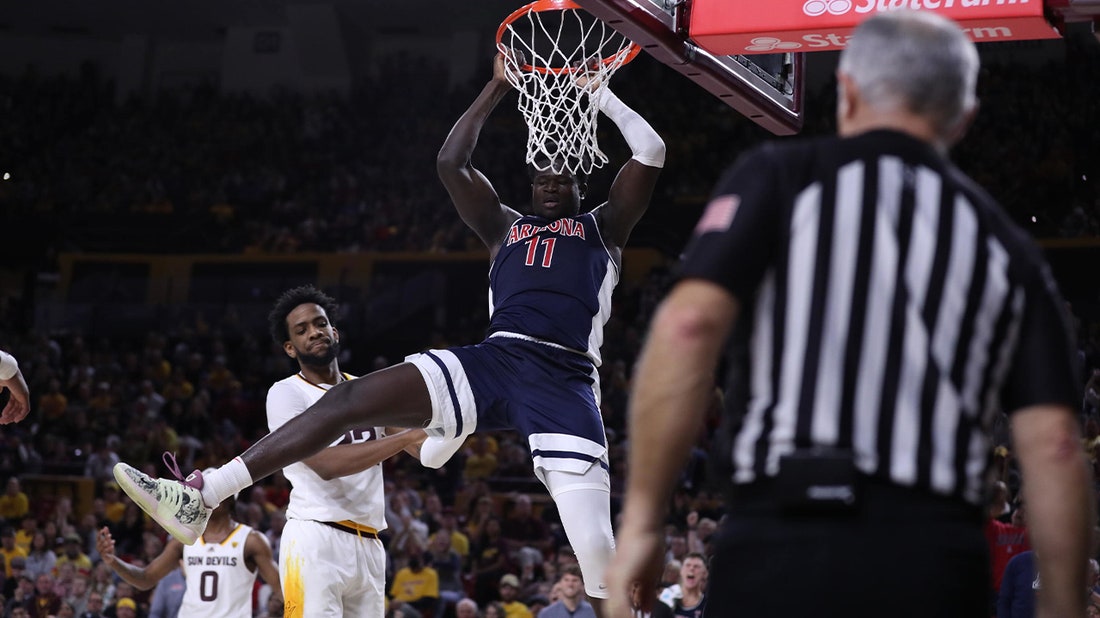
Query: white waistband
x=511, y=335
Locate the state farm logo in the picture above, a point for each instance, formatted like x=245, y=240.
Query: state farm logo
x=816, y=41
x=813, y=8
x=770, y=43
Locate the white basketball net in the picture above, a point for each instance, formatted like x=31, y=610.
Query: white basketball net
x=557, y=97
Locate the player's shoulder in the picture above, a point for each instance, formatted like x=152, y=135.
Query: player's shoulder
x=290, y=386
x=290, y=381
x=255, y=540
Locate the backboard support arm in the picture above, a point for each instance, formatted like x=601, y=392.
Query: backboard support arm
x=663, y=35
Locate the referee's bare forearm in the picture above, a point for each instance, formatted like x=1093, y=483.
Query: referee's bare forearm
x=1057, y=488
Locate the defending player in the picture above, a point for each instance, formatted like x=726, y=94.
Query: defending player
x=552, y=274
x=330, y=558
x=220, y=568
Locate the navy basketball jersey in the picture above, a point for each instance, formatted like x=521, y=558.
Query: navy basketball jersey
x=553, y=280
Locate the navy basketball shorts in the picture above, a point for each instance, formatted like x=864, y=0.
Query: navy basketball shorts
x=548, y=394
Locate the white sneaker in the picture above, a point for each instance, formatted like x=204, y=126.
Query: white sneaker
x=176, y=505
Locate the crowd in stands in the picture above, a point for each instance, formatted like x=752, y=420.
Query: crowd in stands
x=326, y=172
x=296, y=173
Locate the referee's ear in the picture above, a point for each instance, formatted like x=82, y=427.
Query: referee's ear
x=848, y=103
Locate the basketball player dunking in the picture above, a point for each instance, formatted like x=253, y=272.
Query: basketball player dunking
x=553, y=271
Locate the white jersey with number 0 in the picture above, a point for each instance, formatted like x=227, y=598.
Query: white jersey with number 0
x=219, y=583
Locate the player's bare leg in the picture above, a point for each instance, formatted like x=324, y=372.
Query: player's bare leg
x=393, y=397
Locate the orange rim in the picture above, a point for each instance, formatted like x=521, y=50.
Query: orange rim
x=539, y=6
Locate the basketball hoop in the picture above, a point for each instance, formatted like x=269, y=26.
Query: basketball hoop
x=560, y=59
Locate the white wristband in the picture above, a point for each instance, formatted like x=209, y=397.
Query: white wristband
x=647, y=147
x=8, y=366
x=437, y=451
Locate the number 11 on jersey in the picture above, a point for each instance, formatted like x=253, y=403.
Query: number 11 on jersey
x=547, y=251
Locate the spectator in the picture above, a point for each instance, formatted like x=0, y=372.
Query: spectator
x=489, y=560
x=481, y=462
x=103, y=585
x=432, y=513
x=113, y=507
x=449, y=527
x=63, y=579
x=1019, y=585
x=8, y=549
x=11, y=582
x=168, y=595
x=448, y=566
x=700, y=530
x=509, y=589
x=150, y=401
x=24, y=536
x=466, y=608
x=571, y=602
x=52, y=404
x=126, y=608
x=45, y=602
x=1005, y=541
x=691, y=600
x=95, y=606
x=495, y=610
x=77, y=597
x=13, y=503
x=21, y=596
x=527, y=537
x=416, y=584
x=101, y=463
x=670, y=581
x=74, y=555
x=129, y=531
x=536, y=603
x=481, y=511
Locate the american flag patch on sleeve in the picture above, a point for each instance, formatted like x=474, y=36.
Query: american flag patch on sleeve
x=718, y=215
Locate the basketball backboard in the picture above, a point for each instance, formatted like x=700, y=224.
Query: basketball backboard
x=767, y=88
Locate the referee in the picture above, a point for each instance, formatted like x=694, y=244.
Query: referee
x=887, y=309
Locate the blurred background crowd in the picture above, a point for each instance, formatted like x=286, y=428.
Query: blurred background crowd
x=195, y=170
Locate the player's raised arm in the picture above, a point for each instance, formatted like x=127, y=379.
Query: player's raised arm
x=472, y=193
x=142, y=578
x=633, y=187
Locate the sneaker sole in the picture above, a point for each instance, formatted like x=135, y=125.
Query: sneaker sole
x=149, y=505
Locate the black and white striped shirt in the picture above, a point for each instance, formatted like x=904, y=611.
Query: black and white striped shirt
x=888, y=307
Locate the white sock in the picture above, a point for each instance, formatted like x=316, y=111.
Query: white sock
x=224, y=482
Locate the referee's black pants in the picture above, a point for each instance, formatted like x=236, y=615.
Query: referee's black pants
x=898, y=555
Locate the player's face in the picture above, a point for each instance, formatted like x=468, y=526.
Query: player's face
x=313, y=340
x=554, y=196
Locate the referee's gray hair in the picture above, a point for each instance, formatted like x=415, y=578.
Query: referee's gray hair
x=915, y=59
